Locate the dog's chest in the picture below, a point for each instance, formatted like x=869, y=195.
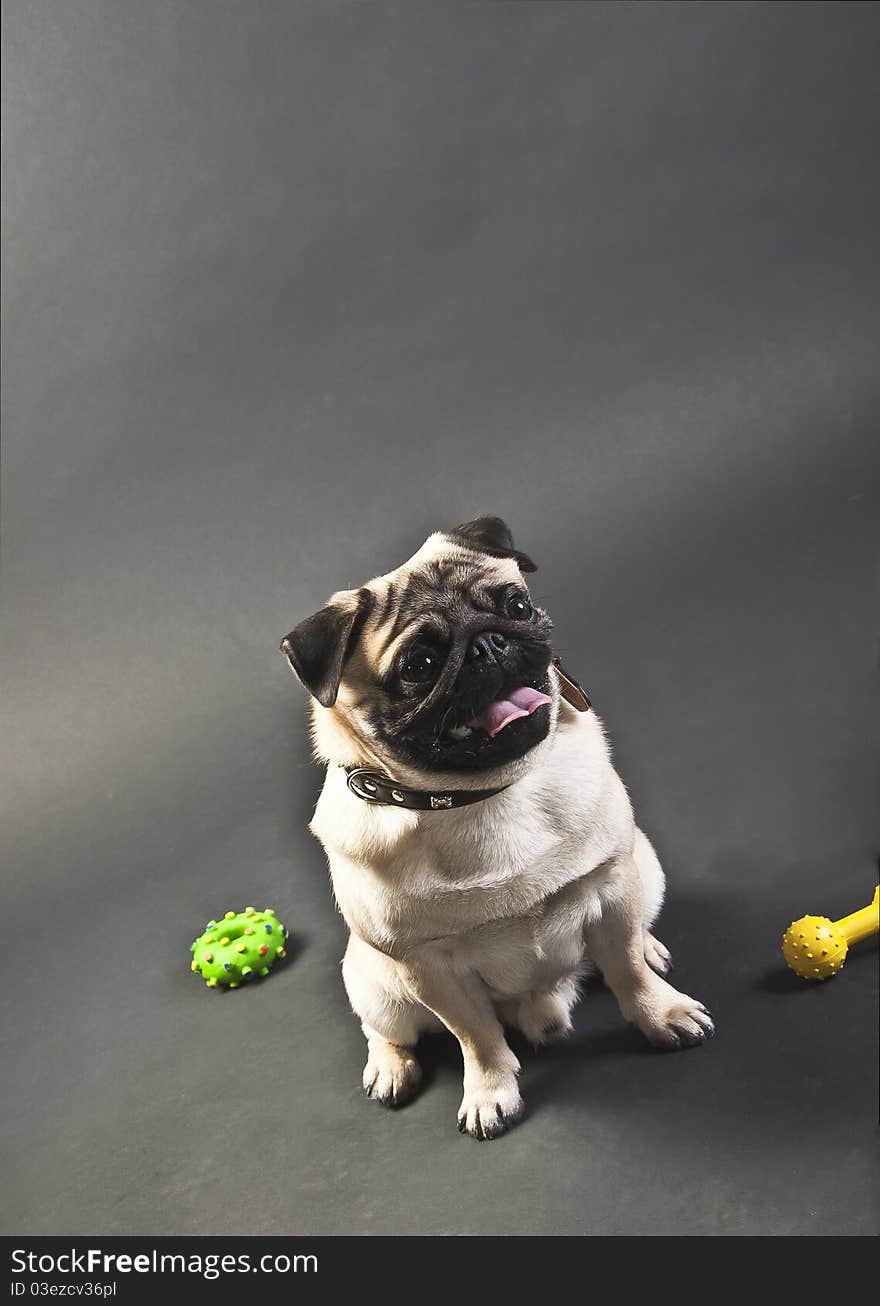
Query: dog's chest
x=401, y=877
x=459, y=877
x=515, y=908
x=486, y=847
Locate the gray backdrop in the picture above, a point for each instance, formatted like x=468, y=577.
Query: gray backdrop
x=288, y=286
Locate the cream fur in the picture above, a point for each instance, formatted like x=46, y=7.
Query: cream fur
x=491, y=913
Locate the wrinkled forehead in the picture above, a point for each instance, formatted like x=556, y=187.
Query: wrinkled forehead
x=438, y=587
x=445, y=565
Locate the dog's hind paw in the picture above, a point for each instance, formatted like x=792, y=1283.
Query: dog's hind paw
x=681, y=1022
x=658, y=957
x=545, y=1017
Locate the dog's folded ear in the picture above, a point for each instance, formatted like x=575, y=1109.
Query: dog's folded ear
x=492, y=535
x=318, y=647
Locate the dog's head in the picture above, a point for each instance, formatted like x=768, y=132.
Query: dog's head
x=442, y=666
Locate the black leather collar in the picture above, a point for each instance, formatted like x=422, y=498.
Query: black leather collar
x=374, y=787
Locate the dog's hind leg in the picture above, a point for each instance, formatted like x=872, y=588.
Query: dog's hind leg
x=658, y=957
x=616, y=940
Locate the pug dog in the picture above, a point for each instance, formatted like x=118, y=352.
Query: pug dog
x=482, y=848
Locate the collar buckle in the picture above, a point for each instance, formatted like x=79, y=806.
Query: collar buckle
x=360, y=781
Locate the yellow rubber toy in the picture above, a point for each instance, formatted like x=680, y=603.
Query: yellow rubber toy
x=815, y=948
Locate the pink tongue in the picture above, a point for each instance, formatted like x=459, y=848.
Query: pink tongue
x=522, y=702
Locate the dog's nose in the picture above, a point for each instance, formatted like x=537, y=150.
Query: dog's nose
x=489, y=644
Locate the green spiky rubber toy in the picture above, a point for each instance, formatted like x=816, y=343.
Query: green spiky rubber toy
x=238, y=948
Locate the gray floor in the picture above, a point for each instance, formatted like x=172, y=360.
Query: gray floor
x=286, y=288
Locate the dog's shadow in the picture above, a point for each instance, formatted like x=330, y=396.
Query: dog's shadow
x=439, y=1057
x=543, y=1067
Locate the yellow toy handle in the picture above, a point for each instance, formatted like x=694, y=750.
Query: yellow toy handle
x=862, y=923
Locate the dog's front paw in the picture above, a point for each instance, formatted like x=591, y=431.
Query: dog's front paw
x=490, y=1111
x=671, y=1020
x=392, y=1075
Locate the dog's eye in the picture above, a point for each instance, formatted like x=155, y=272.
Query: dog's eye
x=518, y=607
x=421, y=665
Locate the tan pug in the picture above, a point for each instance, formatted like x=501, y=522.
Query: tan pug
x=482, y=847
